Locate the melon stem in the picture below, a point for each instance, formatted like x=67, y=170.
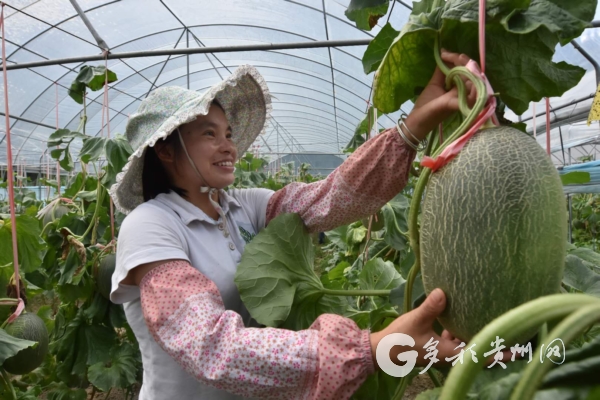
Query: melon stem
x=510, y=326
x=570, y=328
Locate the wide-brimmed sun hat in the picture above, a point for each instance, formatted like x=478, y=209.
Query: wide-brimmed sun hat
x=244, y=97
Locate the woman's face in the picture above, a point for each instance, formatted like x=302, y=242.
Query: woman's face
x=209, y=142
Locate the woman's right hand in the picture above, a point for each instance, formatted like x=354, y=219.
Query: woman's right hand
x=418, y=324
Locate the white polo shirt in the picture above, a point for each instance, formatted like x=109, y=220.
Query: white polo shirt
x=170, y=227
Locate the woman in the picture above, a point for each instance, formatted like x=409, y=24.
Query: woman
x=183, y=238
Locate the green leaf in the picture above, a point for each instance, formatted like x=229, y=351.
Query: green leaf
x=395, y=214
x=117, y=152
x=366, y=13
x=409, y=63
x=46, y=314
x=120, y=372
x=575, y=177
x=55, y=154
x=63, y=136
x=67, y=162
x=60, y=391
x=584, y=372
x=30, y=244
x=397, y=294
x=378, y=47
x=90, y=77
x=587, y=255
x=423, y=6
x=468, y=10
x=379, y=274
x=77, y=91
x=356, y=234
x=10, y=345
x=93, y=149
x=276, y=271
x=580, y=277
x=535, y=50
x=566, y=19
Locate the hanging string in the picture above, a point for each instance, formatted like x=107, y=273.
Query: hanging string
x=47, y=177
x=548, y=125
x=534, y=125
x=11, y=189
x=482, y=35
x=57, y=128
x=105, y=108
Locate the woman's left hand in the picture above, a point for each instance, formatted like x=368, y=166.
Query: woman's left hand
x=435, y=104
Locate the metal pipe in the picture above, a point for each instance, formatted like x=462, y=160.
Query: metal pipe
x=596, y=23
x=591, y=96
x=589, y=58
x=202, y=50
x=30, y=121
x=101, y=43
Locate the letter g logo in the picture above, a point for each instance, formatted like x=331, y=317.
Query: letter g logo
x=383, y=355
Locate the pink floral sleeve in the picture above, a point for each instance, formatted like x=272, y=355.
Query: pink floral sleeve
x=185, y=315
x=375, y=173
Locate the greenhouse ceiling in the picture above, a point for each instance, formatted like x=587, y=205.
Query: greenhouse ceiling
x=319, y=93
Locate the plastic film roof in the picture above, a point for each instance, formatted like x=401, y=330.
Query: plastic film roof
x=320, y=94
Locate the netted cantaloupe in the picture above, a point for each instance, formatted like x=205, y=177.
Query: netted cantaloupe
x=493, y=229
x=103, y=274
x=30, y=327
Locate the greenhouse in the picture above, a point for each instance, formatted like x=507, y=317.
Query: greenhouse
x=300, y=199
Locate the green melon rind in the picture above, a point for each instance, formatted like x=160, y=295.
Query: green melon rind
x=105, y=273
x=493, y=229
x=31, y=327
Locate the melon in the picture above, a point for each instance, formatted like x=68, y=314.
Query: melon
x=104, y=274
x=376, y=225
x=493, y=229
x=54, y=212
x=30, y=327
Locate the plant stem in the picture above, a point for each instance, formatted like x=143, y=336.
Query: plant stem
x=434, y=378
x=8, y=383
x=107, y=393
x=567, y=330
x=510, y=326
x=356, y=292
x=401, y=389
x=98, y=204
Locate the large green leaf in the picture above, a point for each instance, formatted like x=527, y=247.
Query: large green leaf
x=366, y=13
x=468, y=10
x=544, y=78
x=66, y=162
x=10, y=345
x=31, y=246
x=119, y=372
x=378, y=47
x=580, y=277
x=92, y=149
x=379, y=274
x=567, y=19
x=408, y=65
x=587, y=255
x=276, y=270
x=395, y=214
x=117, y=152
x=92, y=78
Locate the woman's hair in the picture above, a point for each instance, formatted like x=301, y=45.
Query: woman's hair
x=155, y=179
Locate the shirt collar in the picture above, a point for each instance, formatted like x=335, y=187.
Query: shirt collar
x=189, y=212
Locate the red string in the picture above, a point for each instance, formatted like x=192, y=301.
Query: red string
x=548, y=125
x=482, y=35
x=105, y=107
x=11, y=189
x=57, y=128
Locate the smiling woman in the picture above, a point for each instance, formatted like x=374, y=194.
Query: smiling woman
x=183, y=237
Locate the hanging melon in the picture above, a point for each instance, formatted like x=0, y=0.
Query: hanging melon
x=30, y=327
x=493, y=229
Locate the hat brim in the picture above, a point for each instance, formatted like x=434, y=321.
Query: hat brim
x=246, y=100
